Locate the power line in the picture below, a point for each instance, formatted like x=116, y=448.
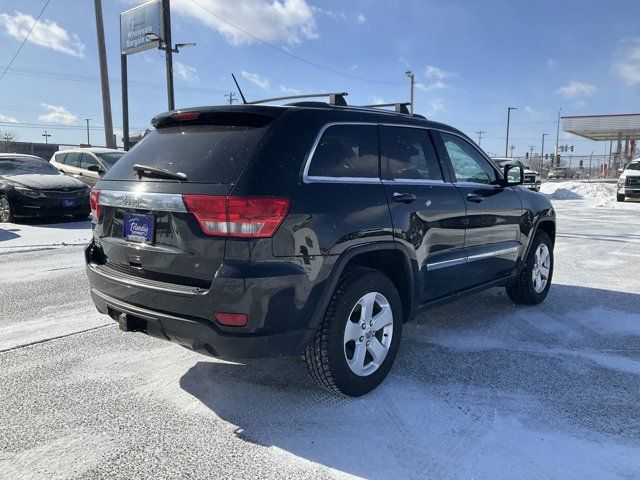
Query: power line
x=54, y=126
x=24, y=40
x=292, y=55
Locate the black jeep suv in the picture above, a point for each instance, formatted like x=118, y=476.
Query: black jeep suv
x=308, y=229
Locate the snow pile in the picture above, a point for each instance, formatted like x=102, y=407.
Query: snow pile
x=578, y=190
x=16, y=237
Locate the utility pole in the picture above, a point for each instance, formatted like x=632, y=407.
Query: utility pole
x=480, y=133
x=166, y=15
x=557, y=135
x=88, y=140
x=542, y=151
x=531, y=147
x=104, y=78
x=412, y=78
x=512, y=148
x=506, y=148
x=46, y=136
x=231, y=97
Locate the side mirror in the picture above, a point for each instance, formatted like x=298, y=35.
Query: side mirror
x=513, y=175
x=95, y=168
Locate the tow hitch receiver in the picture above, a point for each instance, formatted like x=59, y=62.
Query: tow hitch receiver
x=123, y=322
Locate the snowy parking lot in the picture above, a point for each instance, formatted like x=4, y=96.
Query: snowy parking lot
x=481, y=388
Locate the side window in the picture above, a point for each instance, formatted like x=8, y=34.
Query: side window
x=410, y=154
x=468, y=164
x=87, y=160
x=72, y=159
x=346, y=151
x=60, y=157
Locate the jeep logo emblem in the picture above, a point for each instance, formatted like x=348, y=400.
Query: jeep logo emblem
x=130, y=201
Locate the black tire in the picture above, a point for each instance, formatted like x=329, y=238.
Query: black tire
x=522, y=291
x=325, y=355
x=620, y=197
x=6, y=212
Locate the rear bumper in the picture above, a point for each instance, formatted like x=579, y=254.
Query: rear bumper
x=280, y=299
x=201, y=335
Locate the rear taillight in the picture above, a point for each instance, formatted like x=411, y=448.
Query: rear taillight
x=94, y=196
x=232, y=319
x=245, y=217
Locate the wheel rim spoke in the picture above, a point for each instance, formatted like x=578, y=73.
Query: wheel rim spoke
x=353, y=331
x=383, y=319
x=377, y=351
x=544, y=271
x=357, y=362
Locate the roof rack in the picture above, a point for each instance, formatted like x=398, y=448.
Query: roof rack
x=400, y=107
x=334, y=98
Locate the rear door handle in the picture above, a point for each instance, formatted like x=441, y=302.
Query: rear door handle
x=404, y=197
x=474, y=197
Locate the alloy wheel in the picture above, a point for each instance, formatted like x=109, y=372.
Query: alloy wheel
x=5, y=210
x=368, y=334
x=541, y=268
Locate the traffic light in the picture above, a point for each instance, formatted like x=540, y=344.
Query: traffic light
x=581, y=163
x=526, y=155
x=546, y=156
x=572, y=148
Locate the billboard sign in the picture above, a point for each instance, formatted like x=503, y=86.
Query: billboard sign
x=136, y=23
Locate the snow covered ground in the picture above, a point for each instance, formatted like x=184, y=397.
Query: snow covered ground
x=21, y=237
x=481, y=389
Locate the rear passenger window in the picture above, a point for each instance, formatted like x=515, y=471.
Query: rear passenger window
x=60, y=157
x=72, y=159
x=87, y=161
x=347, y=151
x=410, y=154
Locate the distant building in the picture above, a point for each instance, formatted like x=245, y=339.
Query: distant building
x=43, y=150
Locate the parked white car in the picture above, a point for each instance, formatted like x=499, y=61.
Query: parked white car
x=531, y=177
x=86, y=164
x=629, y=181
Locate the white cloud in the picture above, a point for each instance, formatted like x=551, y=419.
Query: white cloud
x=287, y=21
x=436, y=105
x=533, y=113
x=575, y=89
x=551, y=63
x=437, y=85
x=437, y=73
x=46, y=33
x=329, y=13
x=256, y=79
x=8, y=119
x=185, y=72
x=289, y=90
x=58, y=114
x=361, y=18
x=376, y=100
x=628, y=65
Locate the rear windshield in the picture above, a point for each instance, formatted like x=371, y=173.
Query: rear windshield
x=205, y=153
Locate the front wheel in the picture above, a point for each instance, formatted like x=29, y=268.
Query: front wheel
x=534, y=281
x=6, y=212
x=620, y=197
x=356, y=345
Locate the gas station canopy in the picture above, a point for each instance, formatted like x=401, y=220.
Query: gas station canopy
x=604, y=127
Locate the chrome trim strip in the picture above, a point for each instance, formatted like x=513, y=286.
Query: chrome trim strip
x=494, y=253
x=129, y=280
x=417, y=181
x=446, y=263
x=164, y=202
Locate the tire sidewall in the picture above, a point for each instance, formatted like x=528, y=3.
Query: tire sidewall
x=348, y=382
x=10, y=219
x=539, y=239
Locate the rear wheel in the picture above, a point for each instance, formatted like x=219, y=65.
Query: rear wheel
x=6, y=213
x=357, y=343
x=534, y=281
x=620, y=197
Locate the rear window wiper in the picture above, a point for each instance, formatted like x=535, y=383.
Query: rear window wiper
x=147, y=171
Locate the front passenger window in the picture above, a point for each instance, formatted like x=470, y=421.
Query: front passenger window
x=468, y=165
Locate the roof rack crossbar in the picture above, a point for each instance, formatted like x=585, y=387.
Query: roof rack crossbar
x=334, y=98
x=400, y=107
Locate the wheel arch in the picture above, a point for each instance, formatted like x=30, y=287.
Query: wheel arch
x=384, y=257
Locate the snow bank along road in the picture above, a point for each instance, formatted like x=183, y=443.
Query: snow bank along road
x=481, y=388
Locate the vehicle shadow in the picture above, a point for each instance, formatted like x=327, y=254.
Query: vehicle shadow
x=8, y=233
x=568, y=370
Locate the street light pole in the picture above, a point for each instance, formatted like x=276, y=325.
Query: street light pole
x=506, y=148
x=88, y=140
x=46, y=136
x=542, y=151
x=555, y=152
x=166, y=9
x=412, y=77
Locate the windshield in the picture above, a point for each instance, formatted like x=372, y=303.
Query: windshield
x=633, y=166
x=26, y=166
x=205, y=153
x=110, y=158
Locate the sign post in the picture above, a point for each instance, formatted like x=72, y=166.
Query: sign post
x=135, y=26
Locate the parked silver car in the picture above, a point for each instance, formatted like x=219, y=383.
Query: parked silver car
x=86, y=164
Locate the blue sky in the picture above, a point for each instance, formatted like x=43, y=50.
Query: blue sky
x=472, y=59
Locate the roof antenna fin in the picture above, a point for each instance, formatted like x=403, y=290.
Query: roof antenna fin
x=244, y=100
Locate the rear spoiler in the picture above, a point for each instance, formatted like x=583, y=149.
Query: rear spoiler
x=245, y=115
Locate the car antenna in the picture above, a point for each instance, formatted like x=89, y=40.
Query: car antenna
x=244, y=100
